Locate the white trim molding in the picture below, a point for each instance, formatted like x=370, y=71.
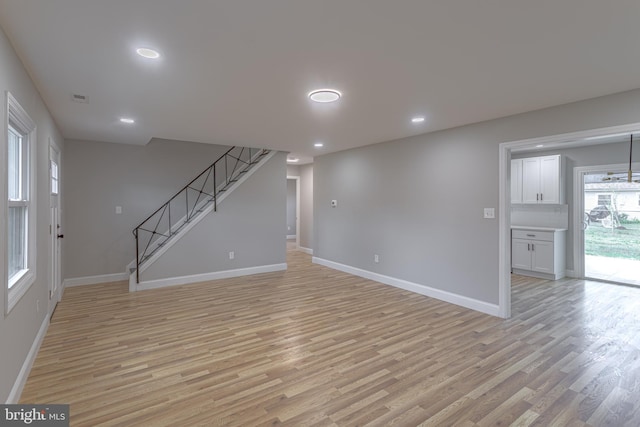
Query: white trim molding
x=473, y=304
x=95, y=280
x=305, y=250
x=204, y=277
x=21, y=380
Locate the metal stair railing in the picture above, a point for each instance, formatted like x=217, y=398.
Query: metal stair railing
x=166, y=221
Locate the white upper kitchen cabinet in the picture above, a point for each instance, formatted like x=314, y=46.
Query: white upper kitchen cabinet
x=516, y=181
x=541, y=180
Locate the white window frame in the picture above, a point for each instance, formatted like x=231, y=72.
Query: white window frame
x=19, y=120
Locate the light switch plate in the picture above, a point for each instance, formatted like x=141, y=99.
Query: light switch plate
x=489, y=213
x=334, y=203
x=118, y=210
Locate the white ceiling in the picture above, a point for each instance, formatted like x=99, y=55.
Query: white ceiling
x=238, y=71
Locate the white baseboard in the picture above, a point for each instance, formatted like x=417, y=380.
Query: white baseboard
x=94, y=280
x=571, y=273
x=18, y=386
x=305, y=250
x=195, y=278
x=473, y=304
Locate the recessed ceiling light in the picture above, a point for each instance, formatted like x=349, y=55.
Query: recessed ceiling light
x=148, y=53
x=325, y=95
x=318, y=144
x=417, y=119
x=127, y=120
x=539, y=145
x=293, y=159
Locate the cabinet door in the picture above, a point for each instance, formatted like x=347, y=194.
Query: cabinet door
x=531, y=180
x=516, y=181
x=550, y=179
x=542, y=256
x=520, y=254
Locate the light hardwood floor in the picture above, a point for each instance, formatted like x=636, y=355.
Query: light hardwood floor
x=313, y=346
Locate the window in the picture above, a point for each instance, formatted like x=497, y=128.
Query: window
x=18, y=166
x=54, y=178
x=604, y=199
x=20, y=216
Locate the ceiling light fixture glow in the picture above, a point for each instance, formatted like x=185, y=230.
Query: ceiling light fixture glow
x=417, y=120
x=324, y=95
x=148, y=53
x=293, y=159
x=539, y=145
x=318, y=145
x=127, y=120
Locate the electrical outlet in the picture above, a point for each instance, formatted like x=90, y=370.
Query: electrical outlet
x=489, y=213
x=376, y=258
x=288, y=228
x=334, y=203
x=118, y=210
x=232, y=255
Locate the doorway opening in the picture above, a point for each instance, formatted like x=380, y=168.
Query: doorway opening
x=574, y=139
x=293, y=210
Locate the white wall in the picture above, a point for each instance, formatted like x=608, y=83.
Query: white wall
x=418, y=202
x=19, y=328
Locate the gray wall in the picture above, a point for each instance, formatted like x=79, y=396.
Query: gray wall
x=418, y=202
x=306, y=206
x=291, y=207
x=249, y=222
x=100, y=176
x=592, y=155
x=18, y=329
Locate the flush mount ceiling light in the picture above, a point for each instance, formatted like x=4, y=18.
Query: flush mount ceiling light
x=324, y=95
x=127, y=120
x=146, y=52
x=417, y=120
x=293, y=159
x=318, y=145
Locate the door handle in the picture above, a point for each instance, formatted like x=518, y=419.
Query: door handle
x=60, y=236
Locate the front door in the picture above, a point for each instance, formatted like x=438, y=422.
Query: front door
x=55, y=229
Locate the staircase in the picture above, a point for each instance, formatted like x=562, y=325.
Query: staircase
x=189, y=205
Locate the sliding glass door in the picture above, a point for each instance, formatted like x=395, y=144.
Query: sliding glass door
x=611, y=223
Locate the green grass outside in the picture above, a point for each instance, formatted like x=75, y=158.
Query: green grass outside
x=613, y=243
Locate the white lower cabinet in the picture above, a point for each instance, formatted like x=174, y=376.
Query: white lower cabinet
x=538, y=253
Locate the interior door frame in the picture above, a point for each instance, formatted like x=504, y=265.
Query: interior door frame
x=504, y=199
x=578, y=201
x=55, y=252
x=297, y=180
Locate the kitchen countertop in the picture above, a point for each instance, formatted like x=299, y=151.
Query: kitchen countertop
x=527, y=227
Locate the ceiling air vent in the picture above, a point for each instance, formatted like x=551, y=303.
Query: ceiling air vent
x=79, y=98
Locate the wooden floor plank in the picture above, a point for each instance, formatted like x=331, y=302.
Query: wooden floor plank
x=315, y=346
